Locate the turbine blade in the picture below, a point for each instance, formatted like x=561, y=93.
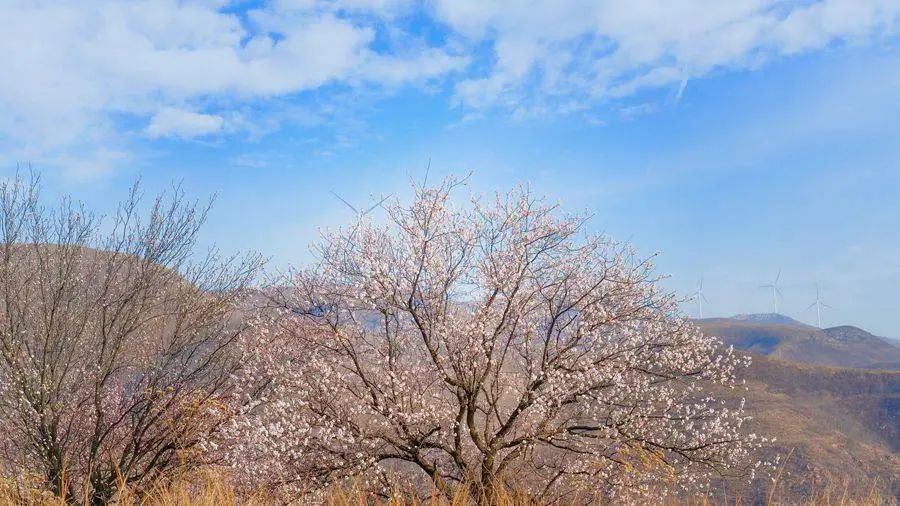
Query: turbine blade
x=344, y=201
x=826, y=305
x=810, y=306
x=369, y=210
x=777, y=277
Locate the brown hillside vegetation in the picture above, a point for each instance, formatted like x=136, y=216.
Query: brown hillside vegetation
x=839, y=423
x=833, y=426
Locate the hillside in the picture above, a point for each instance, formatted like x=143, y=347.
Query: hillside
x=780, y=337
x=842, y=424
x=831, y=398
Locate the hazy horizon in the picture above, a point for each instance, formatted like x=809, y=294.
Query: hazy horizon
x=737, y=139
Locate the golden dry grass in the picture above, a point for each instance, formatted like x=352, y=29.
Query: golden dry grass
x=211, y=489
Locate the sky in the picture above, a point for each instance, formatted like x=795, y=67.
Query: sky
x=737, y=139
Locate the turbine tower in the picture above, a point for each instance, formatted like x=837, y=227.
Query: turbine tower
x=700, y=299
x=775, y=291
x=818, y=304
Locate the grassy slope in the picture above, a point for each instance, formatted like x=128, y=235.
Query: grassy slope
x=840, y=426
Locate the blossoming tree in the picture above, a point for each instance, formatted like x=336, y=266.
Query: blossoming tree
x=495, y=344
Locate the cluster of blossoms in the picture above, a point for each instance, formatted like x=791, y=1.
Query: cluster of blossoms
x=496, y=344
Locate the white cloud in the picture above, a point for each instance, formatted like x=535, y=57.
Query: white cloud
x=551, y=52
x=72, y=70
x=171, y=122
x=816, y=25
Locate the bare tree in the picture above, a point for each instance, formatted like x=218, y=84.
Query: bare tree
x=497, y=344
x=115, y=340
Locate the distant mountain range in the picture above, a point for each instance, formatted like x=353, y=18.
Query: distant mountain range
x=779, y=336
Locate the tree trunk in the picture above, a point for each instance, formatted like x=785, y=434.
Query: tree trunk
x=487, y=491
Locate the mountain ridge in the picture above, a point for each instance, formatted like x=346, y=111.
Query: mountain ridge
x=779, y=336
x=768, y=318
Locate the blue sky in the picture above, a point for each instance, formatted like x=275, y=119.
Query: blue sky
x=736, y=138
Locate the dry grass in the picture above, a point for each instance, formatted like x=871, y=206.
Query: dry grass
x=212, y=489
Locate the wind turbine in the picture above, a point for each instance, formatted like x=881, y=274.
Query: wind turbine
x=818, y=304
x=775, y=291
x=359, y=214
x=700, y=299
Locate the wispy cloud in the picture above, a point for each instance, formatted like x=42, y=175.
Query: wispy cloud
x=597, y=50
